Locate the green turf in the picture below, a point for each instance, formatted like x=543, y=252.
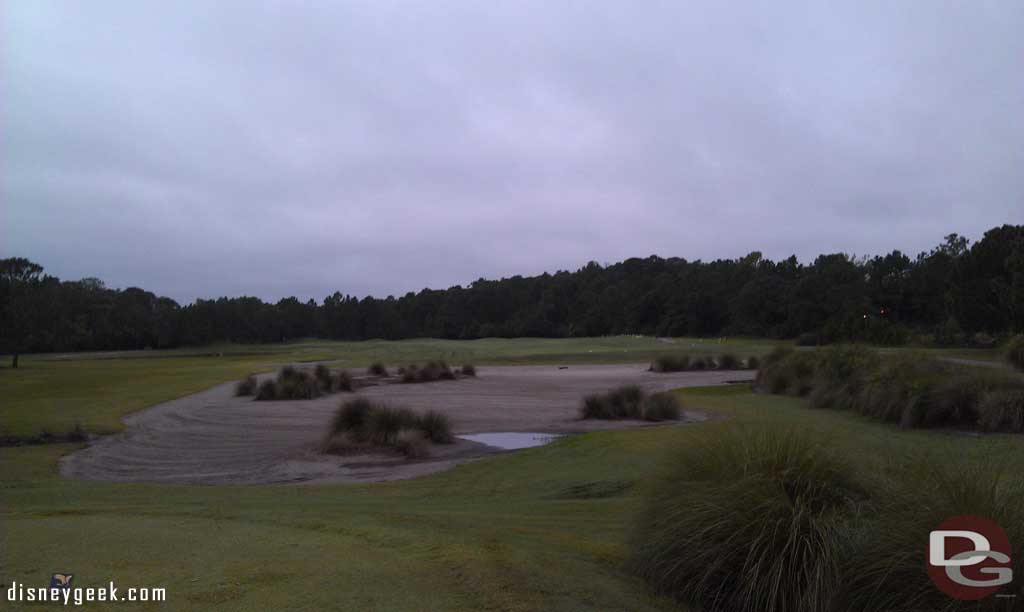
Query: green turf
x=538, y=529
x=543, y=528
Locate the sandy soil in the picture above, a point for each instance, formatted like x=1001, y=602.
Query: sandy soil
x=214, y=438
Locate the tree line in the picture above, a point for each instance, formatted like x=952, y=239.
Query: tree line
x=954, y=294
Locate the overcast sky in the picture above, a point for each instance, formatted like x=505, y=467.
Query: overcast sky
x=200, y=149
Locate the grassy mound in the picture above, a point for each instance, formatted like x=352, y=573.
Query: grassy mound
x=747, y=519
x=630, y=402
x=360, y=425
x=908, y=389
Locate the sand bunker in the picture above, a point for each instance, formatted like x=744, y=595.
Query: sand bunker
x=213, y=437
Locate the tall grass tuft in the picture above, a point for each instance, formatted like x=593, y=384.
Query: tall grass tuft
x=786, y=371
x=670, y=363
x=728, y=361
x=883, y=566
x=436, y=427
x=468, y=369
x=662, y=407
x=745, y=520
x=1002, y=410
x=267, y=391
x=246, y=386
x=753, y=363
x=377, y=369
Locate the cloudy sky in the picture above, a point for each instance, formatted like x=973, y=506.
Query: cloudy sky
x=200, y=149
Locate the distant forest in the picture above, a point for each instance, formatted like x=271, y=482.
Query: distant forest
x=955, y=294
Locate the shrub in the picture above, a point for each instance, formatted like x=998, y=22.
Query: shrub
x=323, y=377
x=429, y=372
x=698, y=363
x=882, y=570
x=786, y=371
x=360, y=424
x=662, y=407
x=343, y=381
x=267, y=391
x=670, y=363
x=753, y=363
x=351, y=418
x=746, y=519
x=807, y=339
x=436, y=427
x=1002, y=410
x=840, y=375
x=246, y=386
x=384, y=423
x=468, y=369
x=1015, y=352
x=626, y=402
x=377, y=369
x=295, y=384
x=728, y=361
x=595, y=406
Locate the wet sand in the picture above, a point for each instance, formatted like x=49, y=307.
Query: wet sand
x=212, y=437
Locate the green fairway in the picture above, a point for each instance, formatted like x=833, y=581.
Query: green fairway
x=53, y=393
x=538, y=529
x=544, y=528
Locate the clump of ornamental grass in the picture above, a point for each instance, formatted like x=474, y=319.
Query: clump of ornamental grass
x=630, y=402
x=753, y=363
x=883, y=562
x=361, y=425
x=1002, y=410
x=429, y=372
x=745, y=519
x=728, y=361
x=295, y=384
x=468, y=369
x=670, y=363
x=662, y=407
x=786, y=371
x=840, y=375
x=377, y=369
x=246, y=386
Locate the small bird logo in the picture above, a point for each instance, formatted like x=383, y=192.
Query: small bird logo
x=61, y=581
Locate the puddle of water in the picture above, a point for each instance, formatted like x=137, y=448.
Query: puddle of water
x=511, y=440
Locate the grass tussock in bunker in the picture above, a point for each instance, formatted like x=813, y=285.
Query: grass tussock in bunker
x=377, y=369
x=361, y=425
x=747, y=520
x=685, y=363
x=246, y=386
x=631, y=402
x=294, y=384
x=429, y=372
x=772, y=519
x=908, y=389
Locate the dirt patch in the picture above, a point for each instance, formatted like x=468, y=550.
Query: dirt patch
x=213, y=437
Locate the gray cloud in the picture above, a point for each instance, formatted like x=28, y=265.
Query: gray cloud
x=202, y=149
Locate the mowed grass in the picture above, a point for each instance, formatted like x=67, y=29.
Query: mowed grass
x=54, y=392
x=541, y=529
